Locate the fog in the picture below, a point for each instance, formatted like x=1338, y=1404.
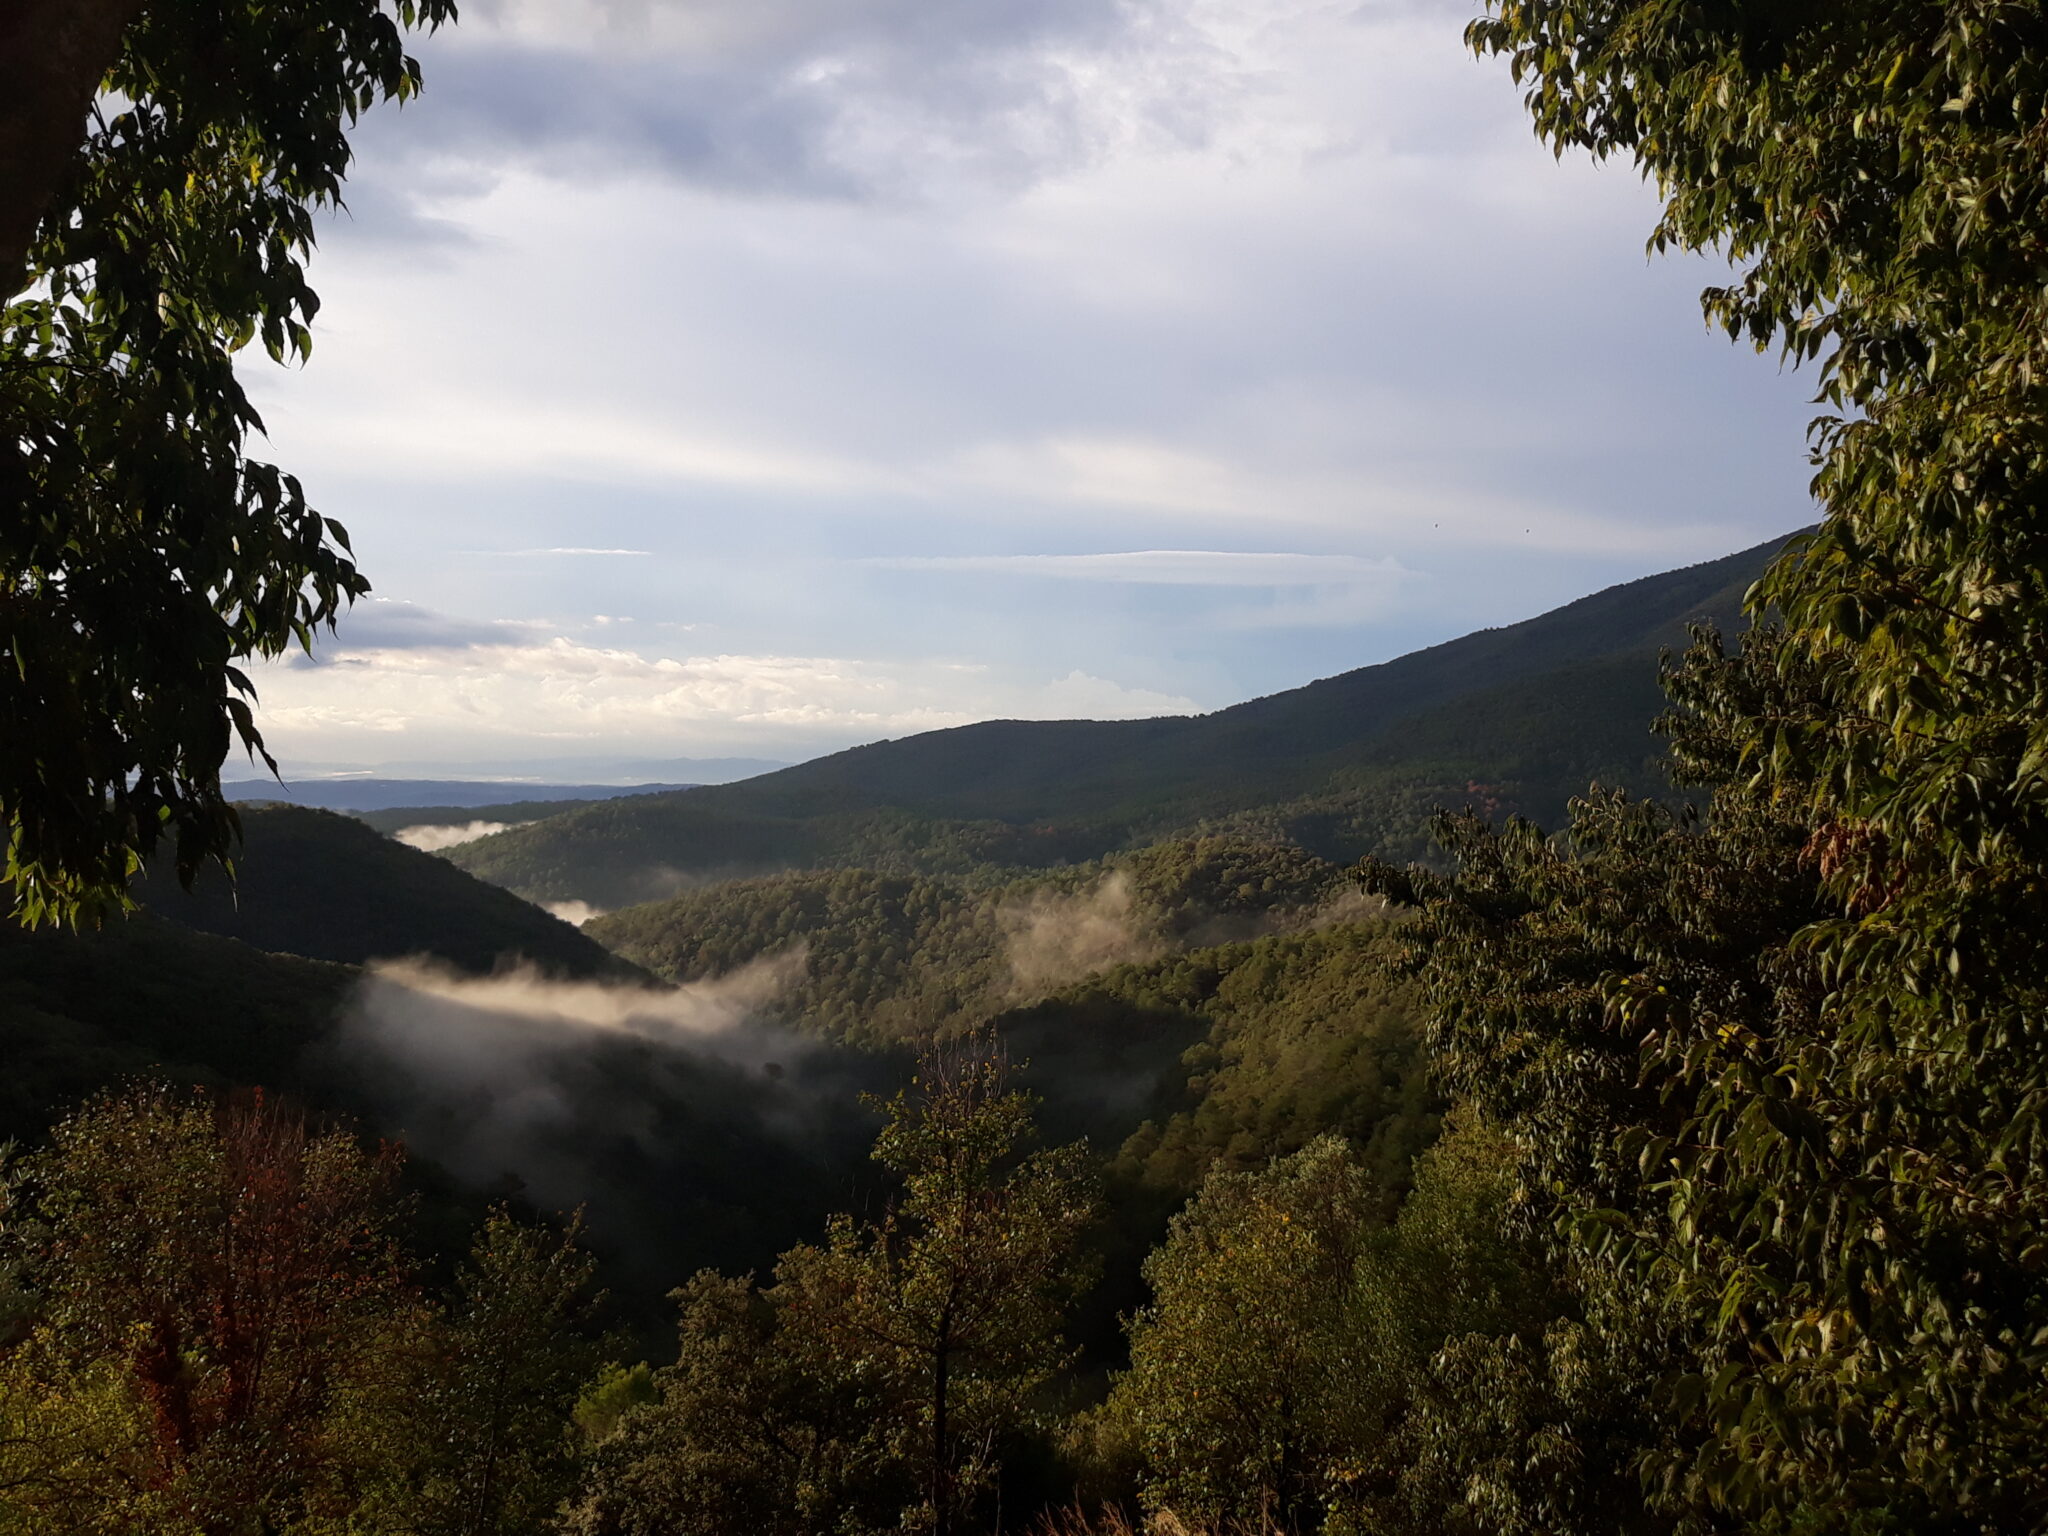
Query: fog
x=1055, y=938
x=433, y=836
x=691, y=1127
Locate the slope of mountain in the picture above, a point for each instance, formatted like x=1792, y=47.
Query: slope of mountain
x=884, y=959
x=143, y=998
x=1521, y=717
x=323, y=885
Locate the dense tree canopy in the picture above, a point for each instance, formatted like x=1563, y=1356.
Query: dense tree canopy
x=143, y=553
x=1777, y=1075
x=212, y=1328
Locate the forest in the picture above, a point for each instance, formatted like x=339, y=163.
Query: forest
x=1423, y=1102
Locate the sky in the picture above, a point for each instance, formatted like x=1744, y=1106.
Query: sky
x=759, y=377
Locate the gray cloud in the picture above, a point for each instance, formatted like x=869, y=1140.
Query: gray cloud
x=381, y=624
x=1058, y=937
x=489, y=1074
x=856, y=99
x=571, y=549
x=1172, y=568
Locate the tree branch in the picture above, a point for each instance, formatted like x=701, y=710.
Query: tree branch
x=53, y=56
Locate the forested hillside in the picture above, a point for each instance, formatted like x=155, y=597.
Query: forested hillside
x=893, y=958
x=1522, y=717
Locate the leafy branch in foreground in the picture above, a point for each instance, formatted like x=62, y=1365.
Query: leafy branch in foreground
x=143, y=554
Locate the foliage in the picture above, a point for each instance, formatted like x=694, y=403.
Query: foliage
x=1500, y=1402
x=1306, y=1034
x=1244, y=1369
x=142, y=998
x=885, y=957
x=226, y=1337
x=756, y=1427
x=479, y=1438
x=1813, y=1208
x=315, y=883
x=890, y=958
x=875, y=1383
x=952, y=1301
x=1780, y=1075
x=206, y=1284
x=616, y=1391
x=143, y=552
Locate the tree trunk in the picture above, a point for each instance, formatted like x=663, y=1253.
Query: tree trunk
x=941, y=1492
x=53, y=56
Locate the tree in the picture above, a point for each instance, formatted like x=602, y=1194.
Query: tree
x=953, y=1301
x=1801, y=1221
x=224, y=1337
x=142, y=552
x=1802, y=1045
x=1501, y=1401
x=1245, y=1371
x=753, y=1428
x=53, y=56
x=210, y=1282
x=872, y=1386
x=516, y=1350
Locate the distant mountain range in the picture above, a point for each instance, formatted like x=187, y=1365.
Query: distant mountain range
x=427, y=794
x=1517, y=718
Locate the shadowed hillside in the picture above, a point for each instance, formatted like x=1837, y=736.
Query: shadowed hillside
x=325, y=886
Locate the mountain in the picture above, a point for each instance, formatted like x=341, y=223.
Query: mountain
x=1520, y=717
x=324, y=886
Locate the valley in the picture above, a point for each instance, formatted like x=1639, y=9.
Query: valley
x=1155, y=919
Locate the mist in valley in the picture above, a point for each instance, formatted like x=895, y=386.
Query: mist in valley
x=688, y=1125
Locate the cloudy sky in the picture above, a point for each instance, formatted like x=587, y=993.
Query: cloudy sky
x=757, y=377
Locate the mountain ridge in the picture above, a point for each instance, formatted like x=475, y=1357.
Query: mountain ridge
x=1580, y=680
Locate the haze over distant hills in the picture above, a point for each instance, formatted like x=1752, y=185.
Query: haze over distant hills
x=427, y=794
x=1519, y=718
x=338, y=788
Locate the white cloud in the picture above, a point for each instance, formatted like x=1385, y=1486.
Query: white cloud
x=559, y=550
x=1173, y=567
x=432, y=837
x=562, y=692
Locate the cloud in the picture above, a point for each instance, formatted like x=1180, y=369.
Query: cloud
x=1055, y=937
x=1172, y=567
x=564, y=550
x=633, y=1100
x=771, y=287
x=380, y=624
x=850, y=99
x=511, y=689
x=487, y=1074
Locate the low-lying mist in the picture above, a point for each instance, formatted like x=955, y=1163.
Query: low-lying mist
x=1057, y=937
x=692, y=1129
x=433, y=836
